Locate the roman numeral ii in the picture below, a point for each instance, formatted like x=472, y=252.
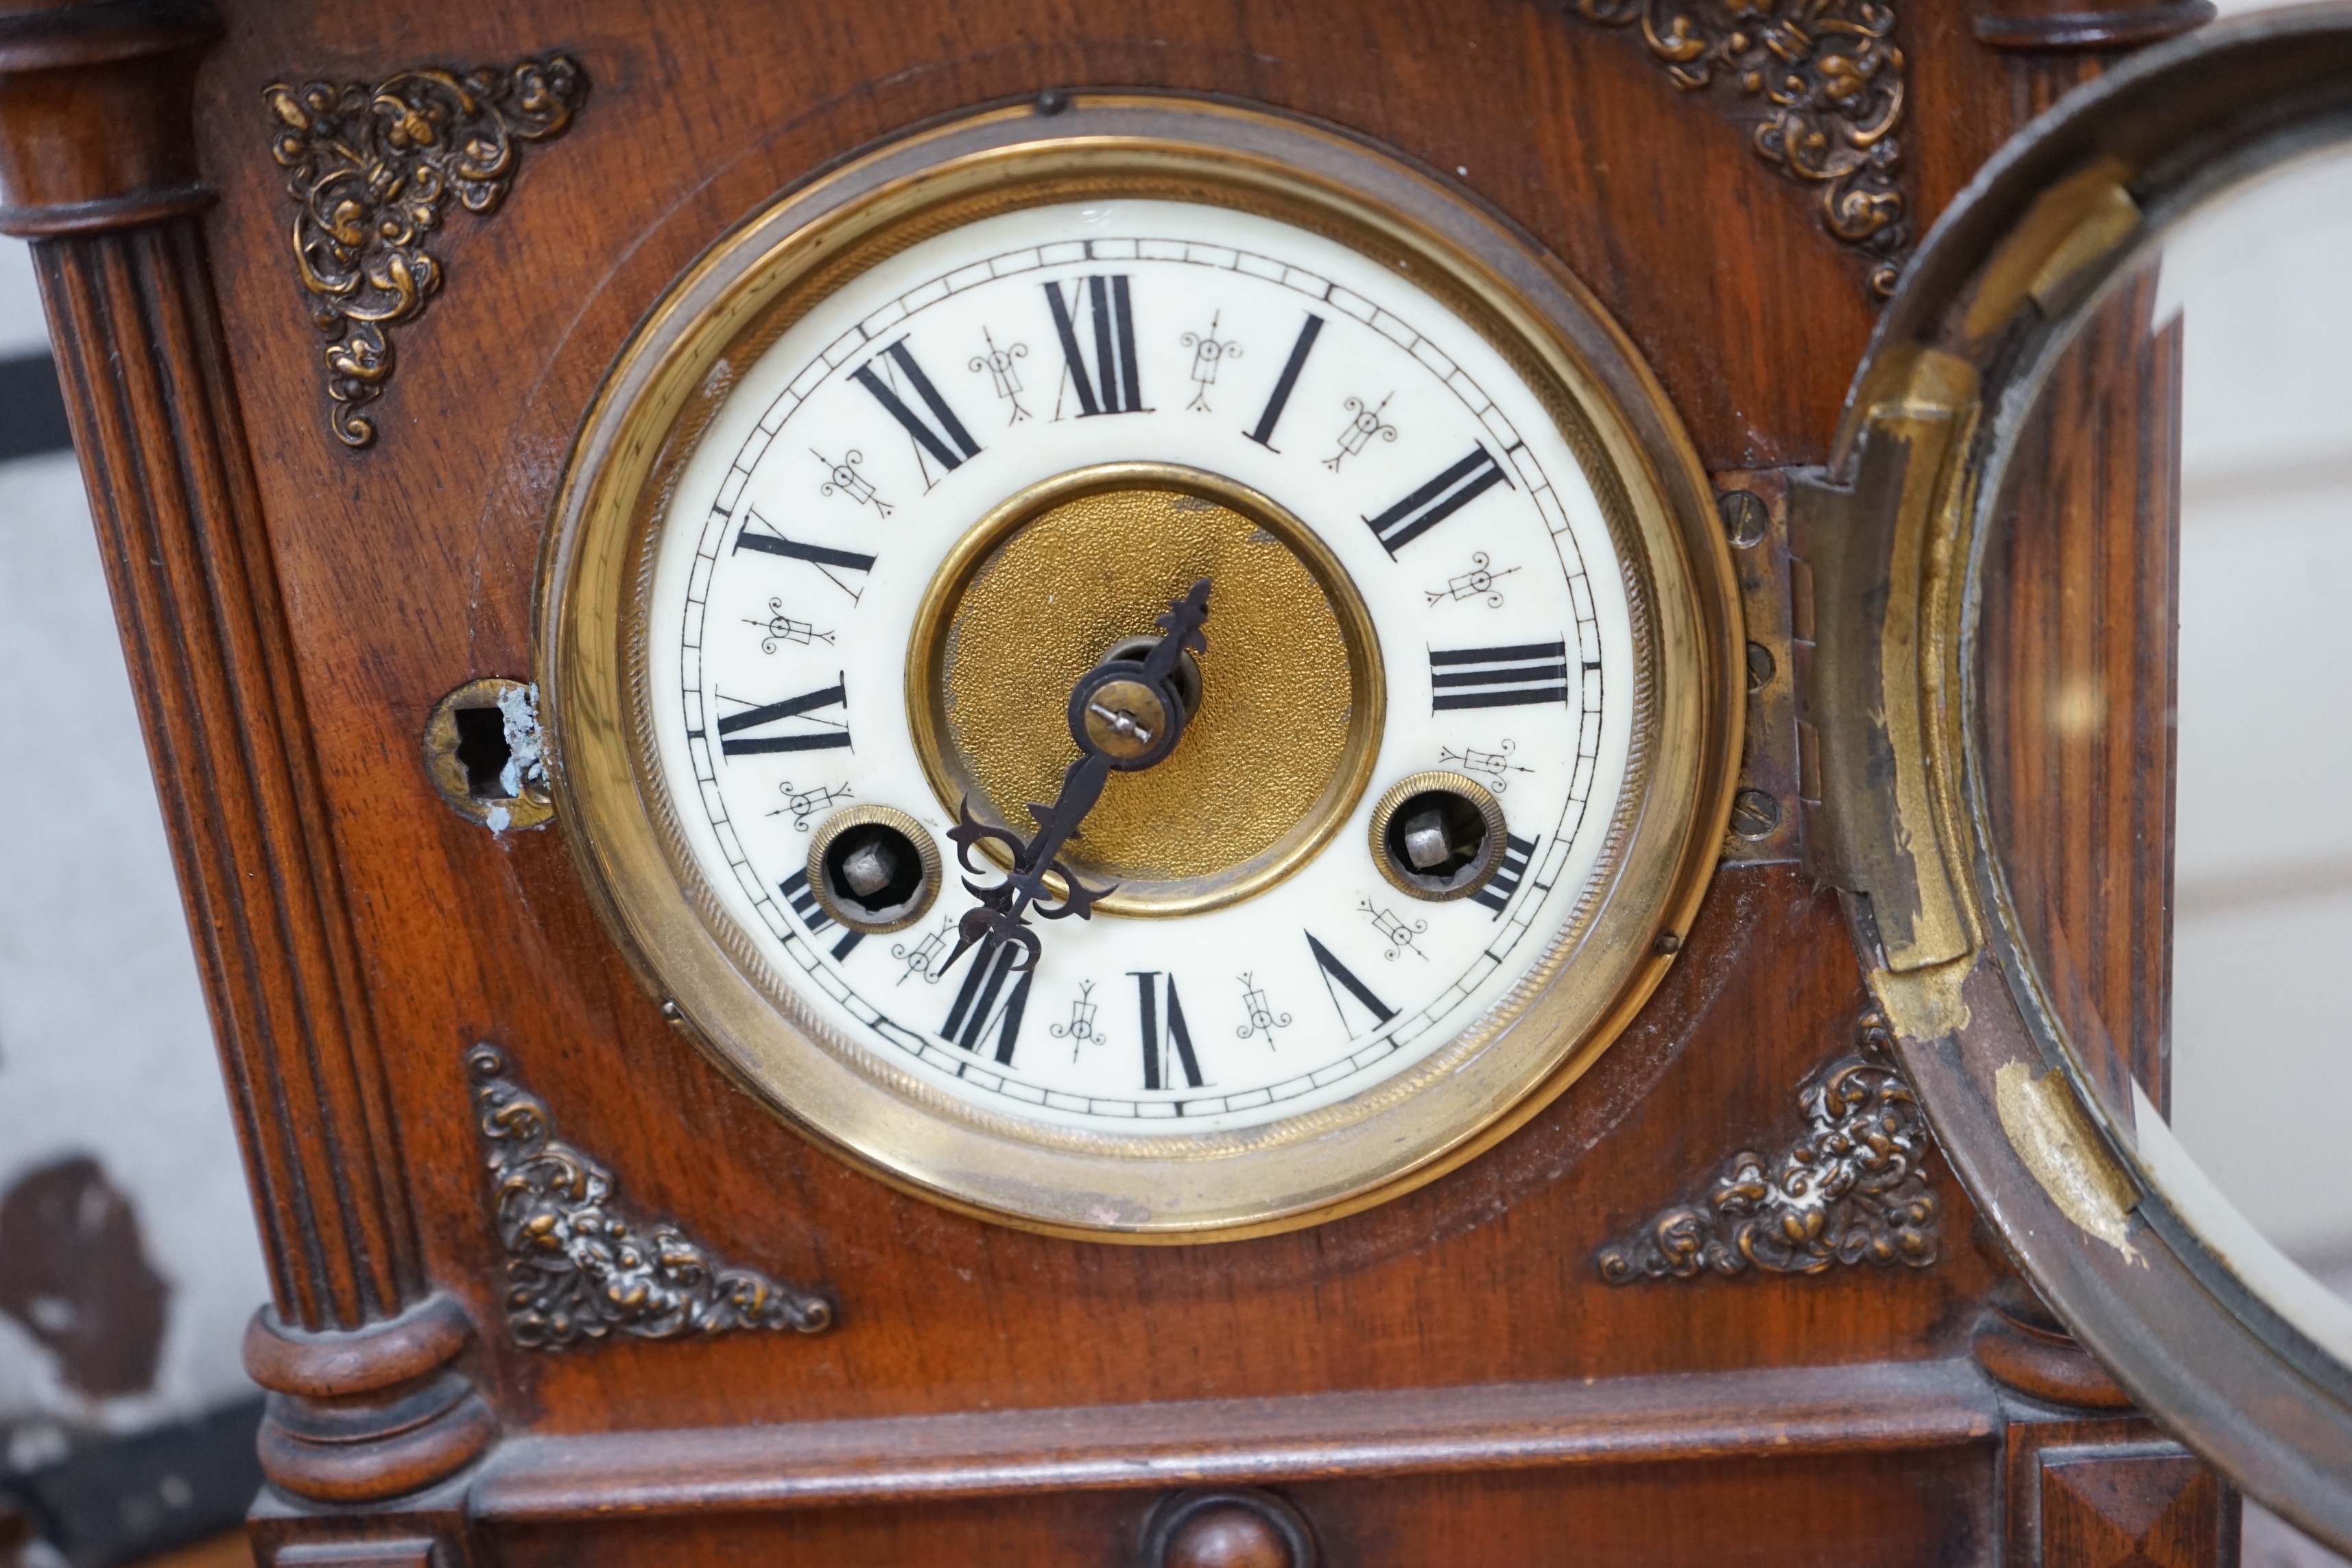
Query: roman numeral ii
x=1438, y=500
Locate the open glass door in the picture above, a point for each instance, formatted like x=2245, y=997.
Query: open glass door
x=2079, y=725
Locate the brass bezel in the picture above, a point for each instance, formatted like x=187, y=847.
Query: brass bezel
x=1465, y=1097
x=842, y=821
x=926, y=710
x=1411, y=785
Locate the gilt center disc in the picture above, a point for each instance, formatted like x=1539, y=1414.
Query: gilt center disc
x=1291, y=701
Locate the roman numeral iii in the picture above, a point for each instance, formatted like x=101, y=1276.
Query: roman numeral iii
x=1113, y=385
x=943, y=436
x=822, y=733
x=1497, y=676
x=1438, y=500
x=1497, y=893
x=1150, y=985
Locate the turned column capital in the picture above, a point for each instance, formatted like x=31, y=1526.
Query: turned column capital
x=95, y=123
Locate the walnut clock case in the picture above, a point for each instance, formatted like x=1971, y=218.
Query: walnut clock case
x=978, y=784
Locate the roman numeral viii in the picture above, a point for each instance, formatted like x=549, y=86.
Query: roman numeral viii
x=795, y=889
x=943, y=436
x=822, y=733
x=1114, y=385
x=1438, y=500
x=1497, y=676
x=1150, y=985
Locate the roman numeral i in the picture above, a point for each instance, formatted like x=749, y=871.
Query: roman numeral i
x=1285, y=383
x=1511, y=677
x=1113, y=383
x=1438, y=500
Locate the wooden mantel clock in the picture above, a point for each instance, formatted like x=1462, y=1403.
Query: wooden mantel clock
x=967, y=782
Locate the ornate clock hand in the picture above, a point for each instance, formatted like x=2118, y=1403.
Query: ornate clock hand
x=1126, y=715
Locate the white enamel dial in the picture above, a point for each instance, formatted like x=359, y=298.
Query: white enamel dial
x=857, y=450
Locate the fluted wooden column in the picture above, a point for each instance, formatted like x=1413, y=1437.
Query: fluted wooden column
x=97, y=168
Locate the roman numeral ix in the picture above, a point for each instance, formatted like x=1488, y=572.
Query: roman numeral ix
x=1114, y=385
x=1497, y=893
x=827, y=734
x=1438, y=500
x=766, y=541
x=1149, y=985
x=1284, y=383
x=1497, y=676
x=795, y=889
x=977, y=1009
x=1338, y=977
x=943, y=436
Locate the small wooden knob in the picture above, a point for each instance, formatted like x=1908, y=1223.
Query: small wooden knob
x=1228, y=1535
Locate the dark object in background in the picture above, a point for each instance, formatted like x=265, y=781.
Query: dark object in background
x=32, y=409
x=109, y=1501
x=73, y=1272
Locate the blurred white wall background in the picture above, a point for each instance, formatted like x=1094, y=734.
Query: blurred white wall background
x=105, y=1049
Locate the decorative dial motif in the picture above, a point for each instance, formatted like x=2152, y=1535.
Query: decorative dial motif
x=1144, y=671
x=965, y=477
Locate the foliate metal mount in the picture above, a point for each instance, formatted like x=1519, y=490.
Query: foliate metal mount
x=1849, y=1190
x=372, y=169
x=579, y=1267
x=1831, y=80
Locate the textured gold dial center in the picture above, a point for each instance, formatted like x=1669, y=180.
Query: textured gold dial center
x=1290, y=705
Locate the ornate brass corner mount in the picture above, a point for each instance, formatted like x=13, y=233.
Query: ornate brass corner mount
x=371, y=169
x=580, y=1267
x=1831, y=80
x=1849, y=1190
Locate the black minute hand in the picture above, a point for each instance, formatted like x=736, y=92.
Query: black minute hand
x=1126, y=715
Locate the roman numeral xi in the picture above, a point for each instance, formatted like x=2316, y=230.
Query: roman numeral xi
x=1497, y=676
